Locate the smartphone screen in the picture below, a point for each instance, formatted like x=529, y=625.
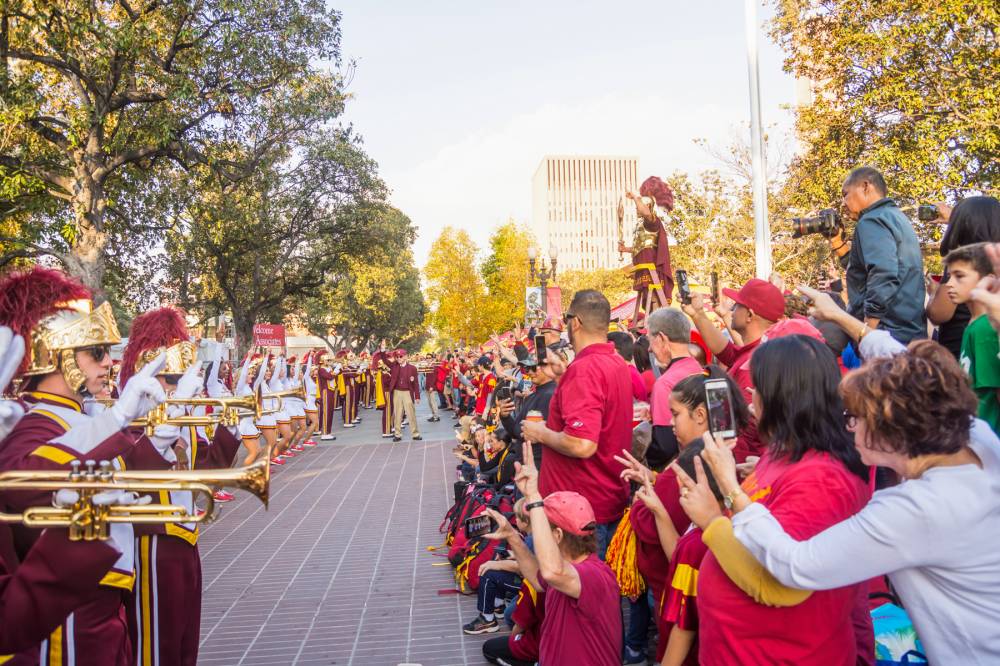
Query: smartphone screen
x=715, y=288
x=683, y=288
x=477, y=526
x=721, y=414
x=540, y=348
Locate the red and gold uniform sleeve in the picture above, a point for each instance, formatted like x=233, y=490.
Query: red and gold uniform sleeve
x=221, y=453
x=56, y=577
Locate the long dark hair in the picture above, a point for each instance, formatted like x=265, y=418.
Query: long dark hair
x=973, y=220
x=690, y=392
x=796, y=378
x=640, y=354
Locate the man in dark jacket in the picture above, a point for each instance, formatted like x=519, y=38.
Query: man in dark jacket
x=885, y=271
x=538, y=400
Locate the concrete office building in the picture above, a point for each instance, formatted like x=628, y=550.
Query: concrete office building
x=574, y=207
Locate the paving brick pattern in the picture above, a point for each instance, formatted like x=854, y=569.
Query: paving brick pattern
x=337, y=570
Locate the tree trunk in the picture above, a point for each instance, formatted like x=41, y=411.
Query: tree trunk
x=87, y=259
x=243, y=325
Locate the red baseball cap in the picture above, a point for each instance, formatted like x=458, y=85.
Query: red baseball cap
x=571, y=512
x=760, y=296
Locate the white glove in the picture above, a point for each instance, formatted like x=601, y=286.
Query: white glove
x=190, y=383
x=188, y=386
x=163, y=439
x=141, y=394
x=11, y=353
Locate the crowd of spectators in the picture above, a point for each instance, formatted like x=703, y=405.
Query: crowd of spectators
x=864, y=463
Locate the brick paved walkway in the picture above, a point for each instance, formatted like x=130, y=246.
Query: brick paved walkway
x=337, y=570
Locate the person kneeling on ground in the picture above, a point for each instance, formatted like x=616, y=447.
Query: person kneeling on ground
x=582, y=622
x=498, y=579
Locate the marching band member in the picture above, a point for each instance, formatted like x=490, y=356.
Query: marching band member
x=267, y=424
x=247, y=428
x=67, y=361
x=276, y=382
x=347, y=385
x=297, y=409
x=311, y=408
x=164, y=612
x=383, y=363
x=327, y=396
x=57, y=575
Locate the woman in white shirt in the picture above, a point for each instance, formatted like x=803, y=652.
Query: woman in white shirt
x=935, y=534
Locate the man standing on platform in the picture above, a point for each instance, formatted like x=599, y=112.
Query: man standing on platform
x=405, y=390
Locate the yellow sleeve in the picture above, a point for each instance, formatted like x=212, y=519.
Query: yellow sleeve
x=744, y=569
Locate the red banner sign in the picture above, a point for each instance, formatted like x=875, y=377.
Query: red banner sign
x=269, y=335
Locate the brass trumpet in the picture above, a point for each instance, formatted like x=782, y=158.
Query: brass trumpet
x=88, y=521
x=233, y=408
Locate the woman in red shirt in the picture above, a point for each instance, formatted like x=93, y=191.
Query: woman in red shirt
x=810, y=477
x=690, y=423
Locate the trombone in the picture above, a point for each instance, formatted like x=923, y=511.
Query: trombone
x=88, y=521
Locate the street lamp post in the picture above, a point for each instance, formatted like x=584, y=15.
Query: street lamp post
x=543, y=273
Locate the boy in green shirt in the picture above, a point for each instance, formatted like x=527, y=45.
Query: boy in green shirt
x=966, y=267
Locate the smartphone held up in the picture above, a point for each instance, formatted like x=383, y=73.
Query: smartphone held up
x=721, y=411
x=480, y=525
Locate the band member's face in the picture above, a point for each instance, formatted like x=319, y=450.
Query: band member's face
x=95, y=363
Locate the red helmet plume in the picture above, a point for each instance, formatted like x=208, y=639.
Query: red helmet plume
x=162, y=327
x=28, y=297
x=659, y=190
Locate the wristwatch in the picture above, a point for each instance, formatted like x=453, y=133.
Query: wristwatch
x=731, y=497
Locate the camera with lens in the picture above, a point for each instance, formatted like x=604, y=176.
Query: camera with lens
x=827, y=223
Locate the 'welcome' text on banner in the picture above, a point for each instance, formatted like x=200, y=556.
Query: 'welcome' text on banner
x=269, y=335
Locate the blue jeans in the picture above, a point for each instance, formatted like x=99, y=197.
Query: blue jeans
x=639, y=615
x=496, y=586
x=604, y=532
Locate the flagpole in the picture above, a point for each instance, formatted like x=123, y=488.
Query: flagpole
x=762, y=229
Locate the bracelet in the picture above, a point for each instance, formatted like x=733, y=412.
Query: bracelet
x=534, y=505
x=838, y=248
x=865, y=330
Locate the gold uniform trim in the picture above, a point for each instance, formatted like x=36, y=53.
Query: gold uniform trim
x=58, y=456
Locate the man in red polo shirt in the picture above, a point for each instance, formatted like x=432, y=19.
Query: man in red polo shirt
x=590, y=418
x=756, y=307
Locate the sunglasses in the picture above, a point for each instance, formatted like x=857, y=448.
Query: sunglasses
x=567, y=317
x=97, y=352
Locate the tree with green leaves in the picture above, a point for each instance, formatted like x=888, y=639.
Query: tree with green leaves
x=255, y=247
x=911, y=87
x=98, y=96
x=375, y=294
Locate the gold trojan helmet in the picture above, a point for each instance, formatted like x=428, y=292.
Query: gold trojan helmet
x=55, y=316
x=159, y=331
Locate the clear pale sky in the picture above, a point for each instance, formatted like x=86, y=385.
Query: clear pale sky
x=458, y=101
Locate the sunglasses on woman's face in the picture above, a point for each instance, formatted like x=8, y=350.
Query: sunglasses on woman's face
x=97, y=352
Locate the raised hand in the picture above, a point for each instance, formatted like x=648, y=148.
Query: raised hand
x=504, y=529
x=142, y=392
x=647, y=495
x=697, y=499
x=719, y=456
x=526, y=476
x=11, y=354
x=634, y=470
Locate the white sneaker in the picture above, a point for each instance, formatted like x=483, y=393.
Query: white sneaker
x=327, y=438
x=349, y=425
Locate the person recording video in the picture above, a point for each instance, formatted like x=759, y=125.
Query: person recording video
x=885, y=274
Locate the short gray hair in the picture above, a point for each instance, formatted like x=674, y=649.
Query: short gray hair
x=671, y=322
